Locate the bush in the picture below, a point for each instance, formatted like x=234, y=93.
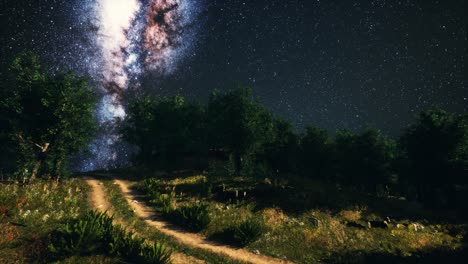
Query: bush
x=218, y=169
x=157, y=253
x=124, y=244
x=243, y=233
x=152, y=187
x=95, y=234
x=83, y=236
x=194, y=217
x=248, y=231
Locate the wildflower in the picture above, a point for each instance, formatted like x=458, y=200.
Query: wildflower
x=45, y=217
x=26, y=213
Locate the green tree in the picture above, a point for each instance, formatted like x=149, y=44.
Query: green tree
x=281, y=147
x=238, y=124
x=165, y=131
x=316, y=154
x=365, y=159
x=436, y=148
x=48, y=117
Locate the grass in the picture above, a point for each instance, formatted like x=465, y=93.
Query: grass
x=123, y=210
x=319, y=223
x=316, y=223
x=30, y=213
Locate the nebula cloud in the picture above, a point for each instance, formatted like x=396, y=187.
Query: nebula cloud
x=134, y=37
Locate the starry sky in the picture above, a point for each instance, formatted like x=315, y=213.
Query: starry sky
x=335, y=64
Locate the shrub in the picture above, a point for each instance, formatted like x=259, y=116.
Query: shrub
x=218, y=169
x=83, y=236
x=243, y=233
x=124, y=244
x=157, y=254
x=94, y=233
x=248, y=231
x=194, y=217
x=152, y=187
x=164, y=204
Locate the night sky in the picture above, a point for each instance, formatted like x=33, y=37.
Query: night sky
x=334, y=64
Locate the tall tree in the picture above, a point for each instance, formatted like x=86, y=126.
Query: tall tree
x=365, y=159
x=165, y=131
x=316, y=154
x=49, y=117
x=436, y=147
x=237, y=123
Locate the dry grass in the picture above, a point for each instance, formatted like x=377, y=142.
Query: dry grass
x=274, y=217
x=196, y=179
x=351, y=215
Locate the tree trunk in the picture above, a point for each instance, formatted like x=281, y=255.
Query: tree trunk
x=58, y=169
x=39, y=161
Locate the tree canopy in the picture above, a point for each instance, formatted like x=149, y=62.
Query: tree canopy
x=46, y=117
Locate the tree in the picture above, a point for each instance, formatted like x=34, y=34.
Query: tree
x=280, y=150
x=436, y=148
x=364, y=159
x=237, y=124
x=49, y=117
x=165, y=130
x=316, y=154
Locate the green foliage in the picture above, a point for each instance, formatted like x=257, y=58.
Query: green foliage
x=165, y=130
x=281, y=150
x=92, y=233
x=152, y=187
x=237, y=124
x=364, y=158
x=124, y=244
x=243, y=233
x=95, y=234
x=47, y=117
x=195, y=217
x=316, y=154
x=436, y=148
x=248, y=231
x=157, y=254
x=219, y=169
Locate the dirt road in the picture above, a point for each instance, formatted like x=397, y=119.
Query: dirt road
x=97, y=199
x=190, y=239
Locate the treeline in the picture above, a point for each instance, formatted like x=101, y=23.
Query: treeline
x=44, y=119
x=428, y=161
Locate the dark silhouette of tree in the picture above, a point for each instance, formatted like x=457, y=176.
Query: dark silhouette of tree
x=281, y=148
x=49, y=117
x=316, y=154
x=436, y=151
x=237, y=124
x=365, y=159
x=165, y=131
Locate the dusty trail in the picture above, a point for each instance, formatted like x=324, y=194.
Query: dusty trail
x=190, y=239
x=98, y=201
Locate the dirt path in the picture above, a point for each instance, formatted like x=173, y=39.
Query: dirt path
x=190, y=239
x=98, y=201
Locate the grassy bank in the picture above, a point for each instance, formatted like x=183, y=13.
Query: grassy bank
x=313, y=223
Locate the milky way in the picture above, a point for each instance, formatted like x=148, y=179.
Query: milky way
x=133, y=37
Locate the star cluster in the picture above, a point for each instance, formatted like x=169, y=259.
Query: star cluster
x=334, y=64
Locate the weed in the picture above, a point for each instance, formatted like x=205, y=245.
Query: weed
x=248, y=231
x=195, y=217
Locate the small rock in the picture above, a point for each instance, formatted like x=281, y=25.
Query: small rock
x=256, y=252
